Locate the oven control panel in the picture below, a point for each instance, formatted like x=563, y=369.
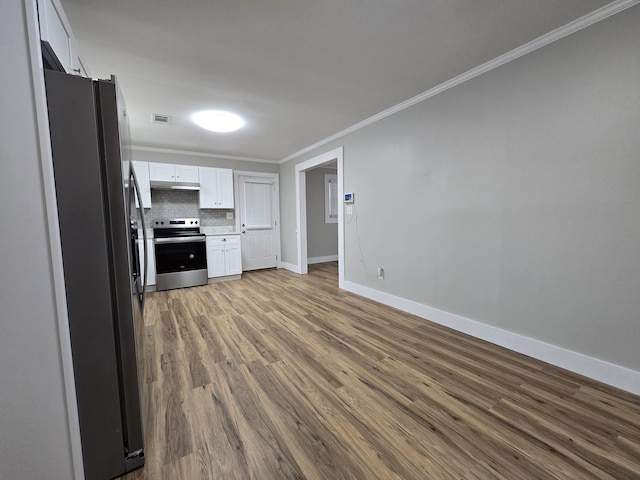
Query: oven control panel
x=177, y=223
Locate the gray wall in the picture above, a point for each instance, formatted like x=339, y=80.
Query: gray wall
x=322, y=238
x=512, y=199
x=34, y=436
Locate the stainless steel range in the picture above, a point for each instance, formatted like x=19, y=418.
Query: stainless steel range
x=181, y=253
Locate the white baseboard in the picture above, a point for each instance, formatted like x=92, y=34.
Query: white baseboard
x=605, y=372
x=326, y=258
x=290, y=266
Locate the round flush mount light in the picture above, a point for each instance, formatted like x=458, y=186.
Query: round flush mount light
x=218, y=120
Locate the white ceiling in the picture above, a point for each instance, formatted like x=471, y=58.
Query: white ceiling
x=297, y=70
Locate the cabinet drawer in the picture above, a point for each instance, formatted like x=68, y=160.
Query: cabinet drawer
x=231, y=240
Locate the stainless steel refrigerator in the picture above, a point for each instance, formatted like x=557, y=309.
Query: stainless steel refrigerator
x=95, y=189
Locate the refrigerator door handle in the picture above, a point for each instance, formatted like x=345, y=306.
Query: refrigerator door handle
x=144, y=239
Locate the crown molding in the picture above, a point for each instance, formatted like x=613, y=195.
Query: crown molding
x=553, y=36
x=201, y=154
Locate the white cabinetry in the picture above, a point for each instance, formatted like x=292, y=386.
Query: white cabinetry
x=60, y=44
x=223, y=256
x=142, y=174
x=216, y=187
x=187, y=173
x=162, y=172
x=168, y=172
x=151, y=273
x=78, y=67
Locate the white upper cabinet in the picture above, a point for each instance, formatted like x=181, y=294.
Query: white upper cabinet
x=60, y=42
x=162, y=172
x=216, y=187
x=142, y=174
x=78, y=66
x=187, y=173
x=225, y=187
x=168, y=172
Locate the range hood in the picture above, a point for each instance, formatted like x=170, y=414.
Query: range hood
x=174, y=185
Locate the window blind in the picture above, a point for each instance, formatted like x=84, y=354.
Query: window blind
x=258, y=205
x=331, y=200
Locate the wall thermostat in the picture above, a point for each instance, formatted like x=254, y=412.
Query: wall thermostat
x=348, y=198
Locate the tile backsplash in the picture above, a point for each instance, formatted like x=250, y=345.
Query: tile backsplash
x=184, y=204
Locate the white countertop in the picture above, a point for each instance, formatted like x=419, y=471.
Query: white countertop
x=219, y=230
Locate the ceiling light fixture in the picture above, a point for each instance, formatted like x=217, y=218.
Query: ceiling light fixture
x=218, y=121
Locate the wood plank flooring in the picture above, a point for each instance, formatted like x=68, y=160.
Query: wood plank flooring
x=281, y=376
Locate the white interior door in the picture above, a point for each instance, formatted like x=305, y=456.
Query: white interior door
x=258, y=222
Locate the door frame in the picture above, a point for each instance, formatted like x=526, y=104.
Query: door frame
x=301, y=209
x=236, y=199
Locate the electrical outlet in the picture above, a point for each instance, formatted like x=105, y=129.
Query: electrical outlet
x=229, y=215
x=380, y=273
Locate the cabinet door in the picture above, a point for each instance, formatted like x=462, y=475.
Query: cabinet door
x=233, y=258
x=186, y=173
x=78, y=66
x=216, y=187
x=215, y=257
x=208, y=187
x=55, y=30
x=225, y=188
x=142, y=174
x=161, y=172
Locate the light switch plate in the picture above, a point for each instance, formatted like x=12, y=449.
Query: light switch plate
x=349, y=209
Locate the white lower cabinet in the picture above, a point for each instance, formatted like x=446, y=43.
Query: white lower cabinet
x=223, y=256
x=151, y=273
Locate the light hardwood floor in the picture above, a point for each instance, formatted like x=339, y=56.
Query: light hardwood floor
x=281, y=376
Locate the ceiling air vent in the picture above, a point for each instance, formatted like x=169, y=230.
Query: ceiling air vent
x=161, y=119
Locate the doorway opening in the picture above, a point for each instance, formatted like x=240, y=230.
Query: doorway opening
x=332, y=157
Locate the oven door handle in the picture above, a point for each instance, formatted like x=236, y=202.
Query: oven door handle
x=179, y=240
